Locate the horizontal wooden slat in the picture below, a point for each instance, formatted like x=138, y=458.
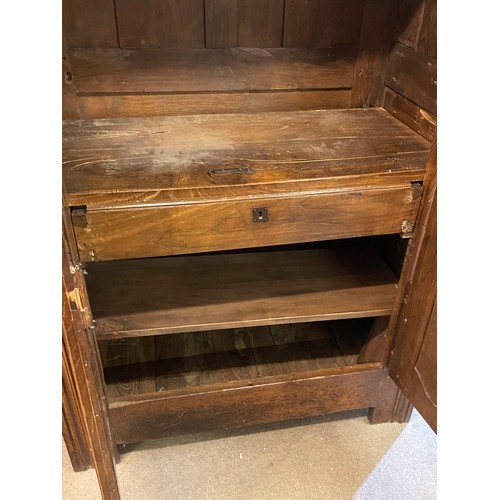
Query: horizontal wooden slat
x=240, y=404
x=156, y=154
x=174, y=229
x=196, y=293
x=163, y=70
x=124, y=106
x=414, y=76
x=419, y=120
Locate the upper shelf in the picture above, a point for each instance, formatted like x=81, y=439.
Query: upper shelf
x=119, y=162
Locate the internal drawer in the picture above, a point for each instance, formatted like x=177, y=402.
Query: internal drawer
x=180, y=227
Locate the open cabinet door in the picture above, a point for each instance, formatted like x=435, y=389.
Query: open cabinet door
x=413, y=360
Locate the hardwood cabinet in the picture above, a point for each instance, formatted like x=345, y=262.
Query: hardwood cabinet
x=249, y=216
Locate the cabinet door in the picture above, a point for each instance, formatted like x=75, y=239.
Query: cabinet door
x=413, y=361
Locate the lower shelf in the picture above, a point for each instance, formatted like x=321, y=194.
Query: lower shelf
x=181, y=383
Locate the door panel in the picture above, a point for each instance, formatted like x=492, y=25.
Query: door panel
x=413, y=361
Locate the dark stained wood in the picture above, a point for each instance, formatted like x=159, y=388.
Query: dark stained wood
x=409, y=16
x=208, y=292
x=375, y=347
x=133, y=105
x=129, y=366
x=392, y=405
x=90, y=23
x=244, y=23
x=268, y=399
x=417, y=118
x=219, y=356
x=84, y=367
x=182, y=70
x=427, y=40
x=322, y=23
x=69, y=99
x=178, y=153
x=72, y=424
x=160, y=23
x=413, y=364
x=414, y=76
x=374, y=46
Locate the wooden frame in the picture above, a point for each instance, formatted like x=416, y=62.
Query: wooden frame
x=292, y=59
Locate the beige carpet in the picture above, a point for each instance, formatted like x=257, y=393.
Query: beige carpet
x=329, y=458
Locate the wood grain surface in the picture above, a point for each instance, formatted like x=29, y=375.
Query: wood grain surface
x=110, y=71
x=243, y=403
x=165, y=362
x=112, y=157
x=206, y=292
x=414, y=76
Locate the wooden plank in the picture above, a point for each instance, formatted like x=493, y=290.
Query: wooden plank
x=374, y=47
x=409, y=16
x=134, y=155
x=160, y=23
x=225, y=225
x=417, y=118
x=322, y=23
x=307, y=346
x=375, y=347
x=244, y=23
x=427, y=40
x=414, y=76
x=196, y=293
x=129, y=366
x=220, y=356
x=176, y=70
x=246, y=403
x=126, y=106
x=90, y=23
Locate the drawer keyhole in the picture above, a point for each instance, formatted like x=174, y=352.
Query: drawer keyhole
x=260, y=214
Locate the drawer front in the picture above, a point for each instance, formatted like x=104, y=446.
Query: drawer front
x=174, y=229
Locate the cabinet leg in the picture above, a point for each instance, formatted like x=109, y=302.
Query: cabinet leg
x=392, y=405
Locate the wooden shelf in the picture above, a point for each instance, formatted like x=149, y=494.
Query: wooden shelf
x=220, y=291
x=153, y=161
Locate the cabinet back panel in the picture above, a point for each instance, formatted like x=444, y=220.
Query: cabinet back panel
x=302, y=29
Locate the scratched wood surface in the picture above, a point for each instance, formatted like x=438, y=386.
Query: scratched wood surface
x=136, y=105
x=167, y=362
x=208, y=225
x=109, y=157
x=110, y=71
x=219, y=291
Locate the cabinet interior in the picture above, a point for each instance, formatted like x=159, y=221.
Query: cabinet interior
x=315, y=113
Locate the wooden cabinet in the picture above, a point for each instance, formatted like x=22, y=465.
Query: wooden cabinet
x=248, y=216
